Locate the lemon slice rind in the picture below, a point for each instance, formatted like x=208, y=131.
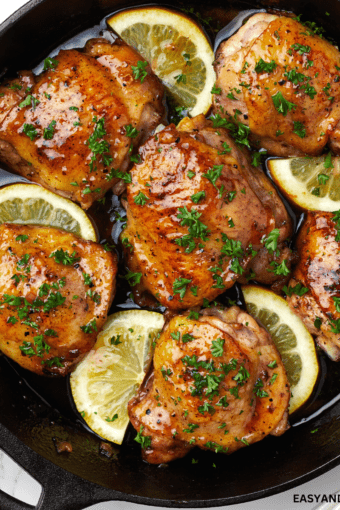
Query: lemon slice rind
x=142, y=26
x=258, y=298
x=298, y=188
x=30, y=204
x=110, y=375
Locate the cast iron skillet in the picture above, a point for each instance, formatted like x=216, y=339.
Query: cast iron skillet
x=30, y=426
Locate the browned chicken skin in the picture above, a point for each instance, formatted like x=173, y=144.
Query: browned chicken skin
x=305, y=73
x=211, y=387
x=51, y=306
x=197, y=213
x=89, y=111
x=318, y=271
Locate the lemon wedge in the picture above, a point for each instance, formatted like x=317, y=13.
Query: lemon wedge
x=291, y=338
x=29, y=204
x=311, y=183
x=177, y=50
x=110, y=375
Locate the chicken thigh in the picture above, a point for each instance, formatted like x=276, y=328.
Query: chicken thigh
x=282, y=81
x=199, y=217
x=55, y=293
x=73, y=127
x=314, y=290
x=218, y=383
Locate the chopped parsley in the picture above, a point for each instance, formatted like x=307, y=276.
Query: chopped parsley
x=140, y=199
x=217, y=347
x=270, y=241
x=139, y=71
x=50, y=63
x=216, y=90
x=198, y=196
x=300, y=48
x=282, y=105
x=131, y=131
x=299, y=290
x=49, y=131
x=90, y=327
x=180, y=286
x=265, y=67
x=133, y=278
x=144, y=441
x=63, y=257
x=30, y=131
x=29, y=100
x=22, y=238
x=299, y=129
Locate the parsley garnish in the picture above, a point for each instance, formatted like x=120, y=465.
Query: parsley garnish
x=114, y=417
x=131, y=131
x=90, y=327
x=270, y=241
x=29, y=101
x=49, y=131
x=139, y=72
x=30, y=131
x=298, y=290
x=99, y=147
x=265, y=67
x=216, y=90
x=144, y=441
x=119, y=175
x=63, y=257
x=300, y=48
x=180, y=286
x=217, y=347
x=114, y=340
x=198, y=196
x=213, y=174
x=323, y=178
x=140, y=199
x=257, y=389
x=279, y=269
x=299, y=129
x=50, y=63
x=282, y=105
x=22, y=238
x=133, y=278
x=181, y=78
x=317, y=323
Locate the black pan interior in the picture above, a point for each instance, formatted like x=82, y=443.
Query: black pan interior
x=40, y=421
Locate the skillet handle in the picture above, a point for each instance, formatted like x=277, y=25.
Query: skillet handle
x=61, y=490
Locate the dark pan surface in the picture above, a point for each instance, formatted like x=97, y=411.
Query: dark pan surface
x=39, y=421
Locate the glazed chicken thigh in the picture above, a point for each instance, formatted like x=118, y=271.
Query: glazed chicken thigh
x=318, y=273
x=218, y=383
x=72, y=128
x=55, y=293
x=198, y=217
x=283, y=81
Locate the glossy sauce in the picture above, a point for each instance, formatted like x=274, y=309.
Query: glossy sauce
x=110, y=220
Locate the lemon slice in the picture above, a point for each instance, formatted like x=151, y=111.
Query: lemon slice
x=307, y=182
x=291, y=338
x=110, y=375
x=177, y=50
x=29, y=204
